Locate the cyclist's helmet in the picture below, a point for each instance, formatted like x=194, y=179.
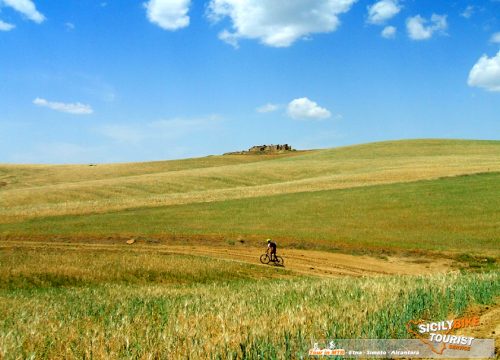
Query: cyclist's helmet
x=268, y=241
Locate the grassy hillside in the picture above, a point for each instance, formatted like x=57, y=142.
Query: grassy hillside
x=25, y=176
x=30, y=193
x=459, y=214
x=398, y=194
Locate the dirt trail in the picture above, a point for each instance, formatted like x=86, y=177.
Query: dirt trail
x=304, y=262
x=320, y=263
x=490, y=324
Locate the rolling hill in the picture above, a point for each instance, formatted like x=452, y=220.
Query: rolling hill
x=412, y=194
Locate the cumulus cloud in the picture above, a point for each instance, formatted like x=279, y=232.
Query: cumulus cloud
x=485, y=73
x=389, y=32
x=71, y=108
x=468, y=12
x=303, y=108
x=25, y=7
x=168, y=14
x=277, y=23
x=495, y=38
x=423, y=29
x=267, y=108
x=6, y=26
x=382, y=11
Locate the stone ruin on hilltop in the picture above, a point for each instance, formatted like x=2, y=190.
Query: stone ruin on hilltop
x=270, y=148
x=264, y=149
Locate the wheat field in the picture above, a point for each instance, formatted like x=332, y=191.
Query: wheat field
x=119, y=304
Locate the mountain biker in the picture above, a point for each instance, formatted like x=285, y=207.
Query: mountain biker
x=271, y=246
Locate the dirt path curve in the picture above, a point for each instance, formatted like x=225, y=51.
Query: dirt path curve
x=304, y=262
x=320, y=263
x=490, y=324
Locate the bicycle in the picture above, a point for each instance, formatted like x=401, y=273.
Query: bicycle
x=266, y=259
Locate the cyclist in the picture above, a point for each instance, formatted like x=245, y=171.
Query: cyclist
x=271, y=246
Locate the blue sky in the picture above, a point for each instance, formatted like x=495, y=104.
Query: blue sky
x=117, y=80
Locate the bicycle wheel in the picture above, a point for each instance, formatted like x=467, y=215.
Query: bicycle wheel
x=280, y=261
x=264, y=258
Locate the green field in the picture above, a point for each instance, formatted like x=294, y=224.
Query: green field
x=71, y=288
x=460, y=214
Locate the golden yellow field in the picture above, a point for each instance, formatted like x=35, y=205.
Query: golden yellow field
x=33, y=191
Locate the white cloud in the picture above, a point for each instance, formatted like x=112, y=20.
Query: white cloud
x=69, y=26
x=71, y=108
x=423, y=29
x=303, y=108
x=277, y=23
x=27, y=8
x=486, y=73
x=382, y=11
x=267, y=108
x=6, y=26
x=495, y=38
x=468, y=12
x=389, y=32
x=229, y=38
x=168, y=14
